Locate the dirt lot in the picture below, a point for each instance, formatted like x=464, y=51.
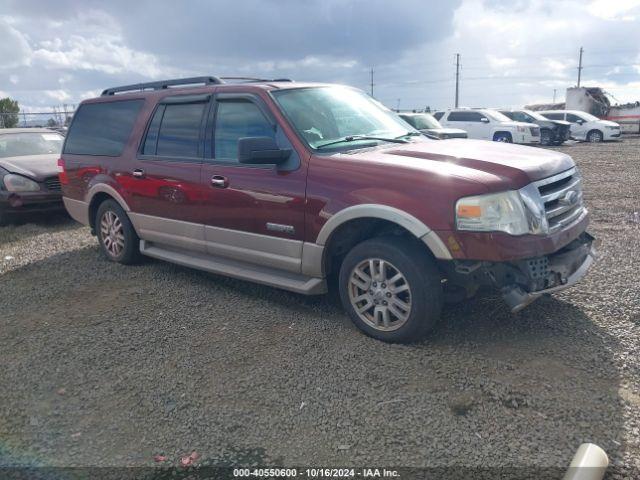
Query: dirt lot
x=110, y=365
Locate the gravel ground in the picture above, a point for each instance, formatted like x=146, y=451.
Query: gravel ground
x=107, y=365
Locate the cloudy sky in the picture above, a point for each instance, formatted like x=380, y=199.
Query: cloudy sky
x=513, y=52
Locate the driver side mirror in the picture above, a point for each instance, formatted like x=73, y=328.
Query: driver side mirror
x=579, y=121
x=484, y=120
x=261, y=151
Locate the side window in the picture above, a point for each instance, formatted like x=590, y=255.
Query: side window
x=456, y=117
x=438, y=115
x=574, y=118
x=237, y=119
x=102, y=128
x=474, y=117
x=554, y=116
x=151, y=141
x=179, y=133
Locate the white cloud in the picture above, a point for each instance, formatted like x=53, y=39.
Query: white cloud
x=625, y=10
x=58, y=95
x=14, y=47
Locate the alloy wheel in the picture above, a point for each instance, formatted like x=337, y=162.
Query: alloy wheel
x=380, y=294
x=112, y=233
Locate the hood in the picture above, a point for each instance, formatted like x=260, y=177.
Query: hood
x=560, y=122
x=37, y=167
x=499, y=166
x=450, y=131
x=608, y=123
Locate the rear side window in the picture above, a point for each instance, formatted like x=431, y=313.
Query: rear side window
x=554, y=116
x=180, y=130
x=174, y=130
x=465, y=117
x=102, y=128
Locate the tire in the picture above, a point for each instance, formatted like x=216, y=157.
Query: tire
x=595, y=136
x=118, y=240
x=412, y=307
x=545, y=137
x=503, y=137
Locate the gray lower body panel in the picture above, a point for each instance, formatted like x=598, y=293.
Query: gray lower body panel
x=293, y=282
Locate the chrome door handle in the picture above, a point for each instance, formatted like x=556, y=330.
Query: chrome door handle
x=219, y=181
x=138, y=173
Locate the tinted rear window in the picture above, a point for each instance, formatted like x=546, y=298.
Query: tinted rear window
x=180, y=130
x=102, y=128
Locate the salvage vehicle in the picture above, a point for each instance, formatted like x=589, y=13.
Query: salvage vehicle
x=304, y=185
x=428, y=125
x=552, y=132
x=487, y=124
x=584, y=126
x=29, y=171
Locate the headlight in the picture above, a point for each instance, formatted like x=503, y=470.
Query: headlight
x=611, y=127
x=516, y=212
x=18, y=183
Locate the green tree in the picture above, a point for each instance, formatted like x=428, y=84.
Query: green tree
x=51, y=123
x=9, y=110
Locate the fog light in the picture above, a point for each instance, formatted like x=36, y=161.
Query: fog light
x=15, y=200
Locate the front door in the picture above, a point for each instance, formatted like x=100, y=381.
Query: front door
x=251, y=213
x=164, y=182
x=578, y=126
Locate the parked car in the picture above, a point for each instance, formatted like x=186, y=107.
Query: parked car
x=280, y=183
x=487, y=124
x=552, y=132
x=29, y=171
x=428, y=125
x=584, y=126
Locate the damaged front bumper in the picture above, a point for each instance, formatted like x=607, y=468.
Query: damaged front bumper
x=522, y=282
x=539, y=276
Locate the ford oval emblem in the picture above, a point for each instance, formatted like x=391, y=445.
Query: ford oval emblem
x=569, y=198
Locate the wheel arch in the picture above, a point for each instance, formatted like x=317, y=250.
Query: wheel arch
x=502, y=132
x=359, y=222
x=98, y=194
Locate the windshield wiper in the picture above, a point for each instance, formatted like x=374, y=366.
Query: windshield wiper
x=353, y=138
x=408, y=134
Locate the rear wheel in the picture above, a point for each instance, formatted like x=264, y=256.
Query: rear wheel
x=503, y=137
x=391, y=289
x=594, y=136
x=117, y=238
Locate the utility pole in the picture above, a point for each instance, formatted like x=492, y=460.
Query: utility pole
x=457, y=78
x=580, y=66
x=372, y=82
x=554, y=95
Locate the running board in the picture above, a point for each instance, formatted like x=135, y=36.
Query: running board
x=233, y=268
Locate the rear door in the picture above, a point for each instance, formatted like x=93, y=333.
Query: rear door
x=164, y=181
x=252, y=213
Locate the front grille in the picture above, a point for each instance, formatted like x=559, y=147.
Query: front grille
x=535, y=131
x=562, y=197
x=52, y=184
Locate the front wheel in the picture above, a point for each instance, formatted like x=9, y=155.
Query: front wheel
x=503, y=137
x=116, y=235
x=391, y=289
x=594, y=136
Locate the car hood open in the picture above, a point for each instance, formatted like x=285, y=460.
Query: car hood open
x=37, y=167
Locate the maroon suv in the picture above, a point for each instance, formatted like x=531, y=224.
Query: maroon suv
x=293, y=184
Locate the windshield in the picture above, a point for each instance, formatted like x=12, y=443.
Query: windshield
x=36, y=143
x=325, y=114
x=536, y=115
x=422, y=122
x=497, y=116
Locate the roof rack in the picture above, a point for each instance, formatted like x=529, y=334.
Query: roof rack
x=163, y=84
x=254, y=79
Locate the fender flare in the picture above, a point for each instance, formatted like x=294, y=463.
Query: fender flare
x=104, y=188
x=394, y=215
